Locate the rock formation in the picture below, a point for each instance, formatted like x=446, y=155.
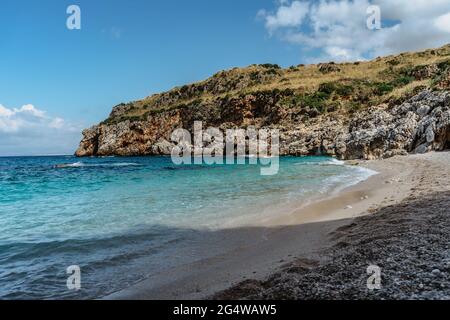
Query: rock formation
x=390, y=106
x=418, y=125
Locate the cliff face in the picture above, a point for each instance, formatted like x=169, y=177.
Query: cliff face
x=389, y=106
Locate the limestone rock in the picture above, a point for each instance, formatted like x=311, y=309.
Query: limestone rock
x=418, y=125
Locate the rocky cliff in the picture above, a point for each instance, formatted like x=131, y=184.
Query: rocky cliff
x=363, y=110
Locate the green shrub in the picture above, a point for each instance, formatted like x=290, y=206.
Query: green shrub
x=402, y=81
x=313, y=101
x=382, y=88
x=443, y=66
x=329, y=88
x=254, y=75
x=393, y=62
x=184, y=88
x=273, y=71
x=134, y=118
x=344, y=90
x=270, y=66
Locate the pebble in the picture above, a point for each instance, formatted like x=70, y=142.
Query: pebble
x=436, y=272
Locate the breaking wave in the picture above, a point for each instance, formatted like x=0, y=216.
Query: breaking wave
x=94, y=165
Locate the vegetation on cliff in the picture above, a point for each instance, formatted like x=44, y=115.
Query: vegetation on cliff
x=314, y=106
x=308, y=90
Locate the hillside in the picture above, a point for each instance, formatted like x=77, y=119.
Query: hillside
x=318, y=108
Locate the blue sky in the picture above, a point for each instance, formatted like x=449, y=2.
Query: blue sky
x=70, y=79
x=125, y=50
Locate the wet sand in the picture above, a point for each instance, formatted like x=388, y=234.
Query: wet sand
x=302, y=237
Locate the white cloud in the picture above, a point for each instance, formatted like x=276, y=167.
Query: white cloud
x=287, y=16
x=56, y=123
x=29, y=130
x=443, y=22
x=12, y=120
x=4, y=112
x=30, y=109
x=337, y=29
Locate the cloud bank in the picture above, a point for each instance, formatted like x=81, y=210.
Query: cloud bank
x=30, y=131
x=337, y=29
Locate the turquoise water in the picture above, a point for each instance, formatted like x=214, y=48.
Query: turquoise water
x=123, y=219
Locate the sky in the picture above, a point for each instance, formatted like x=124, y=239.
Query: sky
x=54, y=81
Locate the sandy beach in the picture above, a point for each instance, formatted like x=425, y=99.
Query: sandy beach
x=301, y=254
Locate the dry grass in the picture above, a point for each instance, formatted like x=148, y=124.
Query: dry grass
x=304, y=78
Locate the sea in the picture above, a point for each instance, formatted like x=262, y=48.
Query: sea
x=121, y=220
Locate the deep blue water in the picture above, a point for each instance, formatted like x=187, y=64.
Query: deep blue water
x=124, y=219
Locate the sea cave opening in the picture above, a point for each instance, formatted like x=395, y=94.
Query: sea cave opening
x=447, y=140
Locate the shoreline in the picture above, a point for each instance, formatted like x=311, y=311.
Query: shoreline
x=389, y=184
x=407, y=240
x=304, y=233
